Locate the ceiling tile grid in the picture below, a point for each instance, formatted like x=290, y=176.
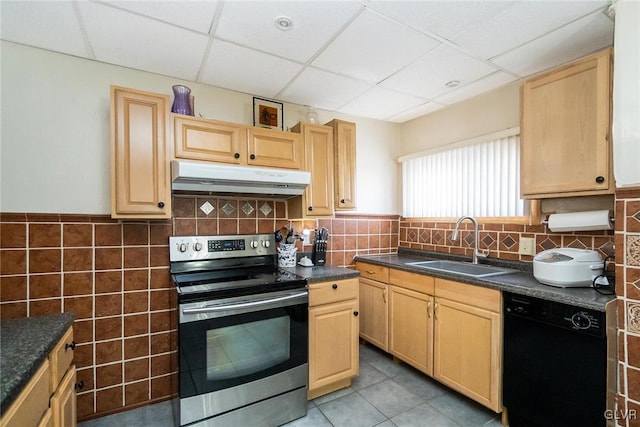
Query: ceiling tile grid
x=388, y=60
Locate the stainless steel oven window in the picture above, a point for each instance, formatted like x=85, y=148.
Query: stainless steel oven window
x=248, y=348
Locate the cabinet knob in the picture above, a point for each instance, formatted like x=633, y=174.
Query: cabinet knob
x=600, y=179
x=79, y=386
x=252, y=157
x=310, y=208
x=161, y=204
x=72, y=346
x=342, y=201
x=236, y=155
x=355, y=313
x=334, y=286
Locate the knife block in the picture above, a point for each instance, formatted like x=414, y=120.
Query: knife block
x=319, y=256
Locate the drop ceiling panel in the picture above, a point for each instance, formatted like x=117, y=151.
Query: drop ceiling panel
x=523, y=21
x=239, y=68
x=485, y=84
x=427, y=76
x=573, y=41
x=314, y=24
x=379, y=103
x=47, y=25
x=145, y=44
x=445, y=18
x=419, y=111
x=195, y=15
x=323, y=89
x=373, y=47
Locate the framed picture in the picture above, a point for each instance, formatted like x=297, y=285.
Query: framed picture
x=267, y=113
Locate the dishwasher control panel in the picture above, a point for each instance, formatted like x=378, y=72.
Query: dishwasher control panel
x=555, y=313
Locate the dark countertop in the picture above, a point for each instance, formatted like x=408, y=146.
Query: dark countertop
x=24, y=344
x=320, y=274
x=521, y=282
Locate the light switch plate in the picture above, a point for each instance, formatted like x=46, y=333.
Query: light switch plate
x=527, y=246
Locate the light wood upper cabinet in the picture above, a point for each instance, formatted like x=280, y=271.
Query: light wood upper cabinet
x=317, y=200
x=468, y=341
x=565, y=131
x=274, y=148
x=209, y=140
x=344, y=136
x=140, y=153
x=333, y=335
x=217, y=141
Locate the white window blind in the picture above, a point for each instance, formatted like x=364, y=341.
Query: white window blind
x=481, y=180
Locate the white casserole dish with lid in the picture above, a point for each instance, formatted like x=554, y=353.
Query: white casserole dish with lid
x=567, y=267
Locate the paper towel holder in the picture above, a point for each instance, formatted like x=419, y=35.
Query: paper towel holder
x=611, y=218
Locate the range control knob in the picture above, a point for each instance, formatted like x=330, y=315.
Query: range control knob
x=266, y=243
x=197, y=247
x=182, y=247
x=253, y=244
x=580, y=321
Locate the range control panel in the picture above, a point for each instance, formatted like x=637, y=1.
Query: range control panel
x=193, y=248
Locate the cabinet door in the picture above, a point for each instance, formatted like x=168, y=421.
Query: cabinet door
x=373, y=312
x=63, y=401
x=140, y=178
x=345, y=161
x=318, y=155
x=333, y=343
x=467, y=351
x=273, y=148
x=565, y=129
x=411, y=327
x=209, y=140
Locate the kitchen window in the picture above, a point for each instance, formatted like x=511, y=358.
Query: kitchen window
x=479, y=178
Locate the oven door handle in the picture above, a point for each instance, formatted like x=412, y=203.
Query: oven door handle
x=243, y=305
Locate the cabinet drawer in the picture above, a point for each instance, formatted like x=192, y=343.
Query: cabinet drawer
x=477, y=296
x=374, y=272
x=415, y=282
x=32, y=403
x=61, y=357
x=333, y=291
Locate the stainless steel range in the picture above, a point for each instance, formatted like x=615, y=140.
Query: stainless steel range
x=242, y=332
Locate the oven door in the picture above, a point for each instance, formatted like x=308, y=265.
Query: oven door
x=234, y=341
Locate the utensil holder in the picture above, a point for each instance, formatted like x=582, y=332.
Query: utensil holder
x=287, y=255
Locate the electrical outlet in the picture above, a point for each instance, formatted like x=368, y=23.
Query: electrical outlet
x=527, y=246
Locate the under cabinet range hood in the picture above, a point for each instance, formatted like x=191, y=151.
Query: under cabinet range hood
x=188, y=176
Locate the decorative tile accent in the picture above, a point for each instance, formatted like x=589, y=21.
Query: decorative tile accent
x=633, y=250
x=412, y=235
x=608, y=248
x=469, y=239
x=247, y=208
x=548, y=244
x=633, y=317
x=228, y=208
x=265, y=209
x=577, y=244
x=488, y=240
x=437, y=237
x=508, y=242
x=207, y=208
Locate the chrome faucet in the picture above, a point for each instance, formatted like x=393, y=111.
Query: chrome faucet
x=454, y=237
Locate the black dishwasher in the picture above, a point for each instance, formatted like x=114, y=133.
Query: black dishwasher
x=555, y=363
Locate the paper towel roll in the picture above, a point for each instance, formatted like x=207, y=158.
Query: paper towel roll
x=580, y=221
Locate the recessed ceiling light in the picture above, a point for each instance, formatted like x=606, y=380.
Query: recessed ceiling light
x=452, y=83
x=284, y=23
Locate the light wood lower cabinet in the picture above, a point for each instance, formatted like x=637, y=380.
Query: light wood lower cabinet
x=374, y=320
x=49, y=398
x=468, y=341
x=333, y=335
x=411, y=327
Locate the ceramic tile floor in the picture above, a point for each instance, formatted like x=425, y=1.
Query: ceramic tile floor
x=385, y=394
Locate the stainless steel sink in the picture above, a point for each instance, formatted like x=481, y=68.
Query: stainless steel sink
x=464, y=268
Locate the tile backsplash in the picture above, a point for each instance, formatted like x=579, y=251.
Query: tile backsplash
x=115, y=277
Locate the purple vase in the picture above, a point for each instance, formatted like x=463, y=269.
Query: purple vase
x=181, y=102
